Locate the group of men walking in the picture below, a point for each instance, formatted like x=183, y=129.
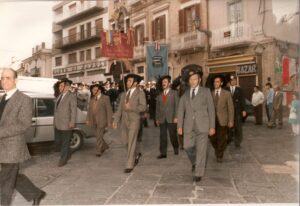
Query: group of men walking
x=199, y=115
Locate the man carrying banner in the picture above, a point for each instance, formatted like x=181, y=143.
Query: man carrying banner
x=132, y=103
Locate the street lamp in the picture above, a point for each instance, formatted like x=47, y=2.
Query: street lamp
x=197, y=22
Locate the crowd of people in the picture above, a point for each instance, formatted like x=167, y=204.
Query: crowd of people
x=191, y=114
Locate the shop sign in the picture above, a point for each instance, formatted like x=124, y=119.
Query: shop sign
x=247, y=69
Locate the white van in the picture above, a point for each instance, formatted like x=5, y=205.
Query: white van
x=41, y=135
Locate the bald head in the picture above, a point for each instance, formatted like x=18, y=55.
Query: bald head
x=9, y=79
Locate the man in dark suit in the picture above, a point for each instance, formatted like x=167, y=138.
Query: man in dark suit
x=99, y=116
x=276, y=109
x=166, y=116
x=224, y=117
x=196, y=119
x=239, y=112
x=15, y=119
x=64, y=120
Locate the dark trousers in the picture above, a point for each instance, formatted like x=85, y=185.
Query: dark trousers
x=62, y=141
x=276, y=114
x=236, y=132
x=11, y=179
x=258, y=113
x=219, y=140
x=172, y=127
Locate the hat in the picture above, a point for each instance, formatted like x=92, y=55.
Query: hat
x=98, y=86
x=136, y=78
x=165, y=77
x=142, y=83
x=191, y=70
x=66, y=80
x=232, y=77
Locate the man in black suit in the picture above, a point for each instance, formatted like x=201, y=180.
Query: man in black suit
x=239, y=112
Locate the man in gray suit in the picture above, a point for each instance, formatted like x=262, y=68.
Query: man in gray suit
x=15, y=119
x=196, y=119
x=166, y=116
x=277, y=109
x=132, y=103
x=99, y=116
x=64, y=120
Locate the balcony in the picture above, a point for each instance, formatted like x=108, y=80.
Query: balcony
x=139, y=52
x=234, y=35
x=78, y=38
x=87, y=8
x=188, y=41
x=135, y=2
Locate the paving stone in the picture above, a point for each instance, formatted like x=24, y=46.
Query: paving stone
x=176, y=191
x=176, y=179
x=218, y=194
x=215, y=182
x=160, y=200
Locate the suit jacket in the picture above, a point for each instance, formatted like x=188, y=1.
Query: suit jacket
x=65, y=112
x=102, y=113
x=238, y=100
x=277, y=100
x=224, y=108
x=15, y=120
x=196, y=114
x=169, y=111
x=137, y=104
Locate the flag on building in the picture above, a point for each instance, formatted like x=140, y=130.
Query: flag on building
x=157, y=61
x=117, y=44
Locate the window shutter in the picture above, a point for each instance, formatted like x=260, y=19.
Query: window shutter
x=142, y=30
x=197, y=9
x=135, y=35
x=153, y=30
x=181, y=21
x=163, y=27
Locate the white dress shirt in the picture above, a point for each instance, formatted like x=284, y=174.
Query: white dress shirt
x=10, y=93
x=131, y=91
x=218, y=90
x=257, y=98
x=196, y=91
x=232, y=89
x=166, y=91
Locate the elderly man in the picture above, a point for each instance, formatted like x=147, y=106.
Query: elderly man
x=196, y=119
x=15, y=119
x=64, y=120
x=277, y=108
x=132, y=103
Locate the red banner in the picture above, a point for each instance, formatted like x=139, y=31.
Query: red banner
x=117, y=44
x=285, y=71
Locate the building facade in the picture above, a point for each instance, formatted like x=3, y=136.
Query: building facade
x=77, y=27
x=39, y=64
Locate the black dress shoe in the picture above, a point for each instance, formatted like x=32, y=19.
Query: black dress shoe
x=197, y=179
x=62, y=163
x=37, y=200
x=137, y=159
x=128, y=170
x=161, y=156
x=193, y=168
x=176, y=152
x=98, y=155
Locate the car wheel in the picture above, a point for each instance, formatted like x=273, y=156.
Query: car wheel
x=76, y=141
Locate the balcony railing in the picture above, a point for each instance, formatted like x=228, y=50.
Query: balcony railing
x=187, y=41
x=77, y=38
x=139, y=51
x=236, y=34
x=80, y=9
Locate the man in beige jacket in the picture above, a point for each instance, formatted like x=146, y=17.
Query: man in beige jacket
x=132, y=103
x=99, y=116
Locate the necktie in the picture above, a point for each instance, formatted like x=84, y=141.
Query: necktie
x=59, y=99
x=127, y=96
x=217, y=97
x=193, y=93
x=3, y=98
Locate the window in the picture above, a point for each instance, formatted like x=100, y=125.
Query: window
x=45, y=107
x=58, y=61
x=88, y=54
x=159, y=28
x=187, y=16
x=81, y=56
x=81, y=32
x=72, y=58
x=99, y=25
x=72, y=35
x=140, y=69
x=139, y=35
x=235, y=11
x=88, y=29
x=72, y=9
x=97, y=52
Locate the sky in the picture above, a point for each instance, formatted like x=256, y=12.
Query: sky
x=28, y=23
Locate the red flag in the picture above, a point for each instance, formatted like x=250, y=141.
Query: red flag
x=285, y=70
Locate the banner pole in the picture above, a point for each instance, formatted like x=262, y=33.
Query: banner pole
x=122, y=70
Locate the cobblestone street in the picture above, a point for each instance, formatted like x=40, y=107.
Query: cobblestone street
x=264, y=170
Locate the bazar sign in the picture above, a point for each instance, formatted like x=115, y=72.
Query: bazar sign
x=92, y=65
x=247, y=69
